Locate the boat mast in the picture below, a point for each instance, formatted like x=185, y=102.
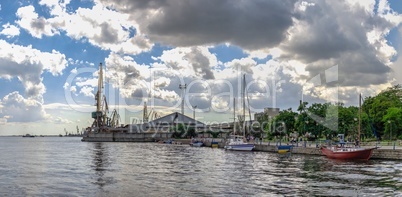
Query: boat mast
x=360, y=116
x=244, y=104
x=234, y=116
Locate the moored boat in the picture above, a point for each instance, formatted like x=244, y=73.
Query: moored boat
x=284, y=149
x=347, y=153
x=237, y=143
x=197, y=144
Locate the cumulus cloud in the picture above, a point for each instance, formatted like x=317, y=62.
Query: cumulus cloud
x=35, y=25
x=27, y=64
x=248, y=24
x=289, y=43
x=19, y=109
x=102, y=27
x=87, y=91
x=324, y=36
x=190, y=61
x=10, y=30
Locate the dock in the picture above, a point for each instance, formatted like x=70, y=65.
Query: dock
x=126, y=137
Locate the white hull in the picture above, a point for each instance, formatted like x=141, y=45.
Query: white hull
x=197, y=144
x=243, y=147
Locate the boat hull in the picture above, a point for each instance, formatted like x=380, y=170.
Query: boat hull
x=348, y=153
x=197, y=144
x=240, y=147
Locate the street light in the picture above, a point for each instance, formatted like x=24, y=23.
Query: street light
x=355, y=125
x=390, y=133
x=194, y=107
x=305, y=128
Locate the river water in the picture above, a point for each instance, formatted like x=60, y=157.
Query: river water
x=65, y=166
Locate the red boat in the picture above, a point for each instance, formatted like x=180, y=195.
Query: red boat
x=347, y=153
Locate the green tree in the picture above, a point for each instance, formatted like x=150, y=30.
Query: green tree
x=393, y=124
x=181, y=131
x=377, y=107
x=284, y=123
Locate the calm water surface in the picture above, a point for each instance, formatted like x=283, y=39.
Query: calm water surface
x=54, y=166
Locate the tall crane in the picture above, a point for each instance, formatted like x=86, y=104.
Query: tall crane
x=99, y=116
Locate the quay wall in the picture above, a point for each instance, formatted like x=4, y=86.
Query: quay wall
x=208, y=142
x=387, y=152
x=126, y=137
x=380, y=153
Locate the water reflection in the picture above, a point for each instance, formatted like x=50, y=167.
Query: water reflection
x=66, y=166
x=101, y=165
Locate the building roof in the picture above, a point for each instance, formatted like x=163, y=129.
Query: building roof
x=176, y=117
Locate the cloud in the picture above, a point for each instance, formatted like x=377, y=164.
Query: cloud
x=35, y=25
x=27, y=64
x=60, y=120
x=248, y=24
x=87, y=91
x=287, y=43
x=10, y=30
x=19, y=109
x=323, y=36
x=101, y=27
x=73, y=89
x=190, y=61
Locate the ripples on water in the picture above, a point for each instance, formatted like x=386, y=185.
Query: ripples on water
x=68, y=167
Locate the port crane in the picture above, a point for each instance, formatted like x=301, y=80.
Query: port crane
x=101, y=121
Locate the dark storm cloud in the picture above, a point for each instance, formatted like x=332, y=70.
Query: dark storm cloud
x=248, y=24
x=334, y=33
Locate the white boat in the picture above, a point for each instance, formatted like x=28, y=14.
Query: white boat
x=197, y=144
x=237, y=143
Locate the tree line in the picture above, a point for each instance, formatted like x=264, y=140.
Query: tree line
x=381, y=119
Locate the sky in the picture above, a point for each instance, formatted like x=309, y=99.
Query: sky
x=287, y=51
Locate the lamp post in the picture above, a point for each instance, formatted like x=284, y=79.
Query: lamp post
x=305, y=134
x=194, y=107
x=390, y=133
x=355, y=119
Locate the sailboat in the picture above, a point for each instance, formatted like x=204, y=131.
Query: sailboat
x=236, y=142
x=349, y=153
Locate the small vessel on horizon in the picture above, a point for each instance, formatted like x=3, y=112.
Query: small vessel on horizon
x=28, y=135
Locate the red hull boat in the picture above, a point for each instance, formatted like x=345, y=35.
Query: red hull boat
x=347, y=153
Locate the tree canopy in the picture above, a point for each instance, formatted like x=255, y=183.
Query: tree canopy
x=381, y=117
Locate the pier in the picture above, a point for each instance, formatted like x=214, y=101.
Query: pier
x=126, y=137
